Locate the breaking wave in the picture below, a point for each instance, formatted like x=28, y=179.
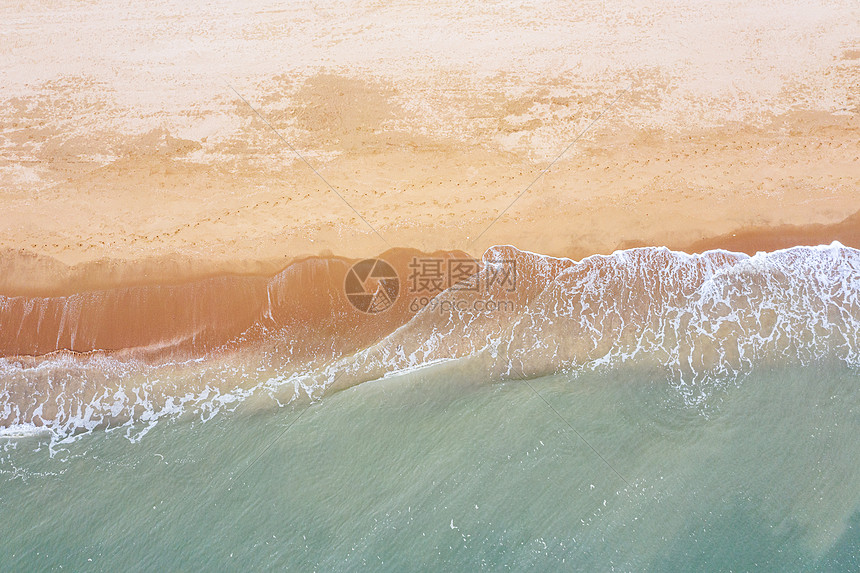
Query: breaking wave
x=127, y=358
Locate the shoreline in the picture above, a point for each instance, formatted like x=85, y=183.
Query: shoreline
x=690, y=318
x=24, y=273
x=307, y=302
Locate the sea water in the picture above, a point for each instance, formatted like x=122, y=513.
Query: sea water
x=446, y=468
x=646, y=410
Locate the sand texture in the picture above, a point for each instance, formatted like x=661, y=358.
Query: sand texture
x=138, y=142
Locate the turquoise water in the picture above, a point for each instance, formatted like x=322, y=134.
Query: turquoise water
x=441, y=469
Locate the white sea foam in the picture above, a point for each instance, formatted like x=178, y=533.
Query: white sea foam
x=22, y=431
x=702, y=320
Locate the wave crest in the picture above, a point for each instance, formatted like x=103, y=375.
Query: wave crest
x=701, y=320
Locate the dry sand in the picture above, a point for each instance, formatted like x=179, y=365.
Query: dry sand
x=126, y=149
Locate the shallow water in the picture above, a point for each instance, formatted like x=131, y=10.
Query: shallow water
x=702, y=320
x=443, y=468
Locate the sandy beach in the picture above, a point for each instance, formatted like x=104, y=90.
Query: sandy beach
x=160, y=143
